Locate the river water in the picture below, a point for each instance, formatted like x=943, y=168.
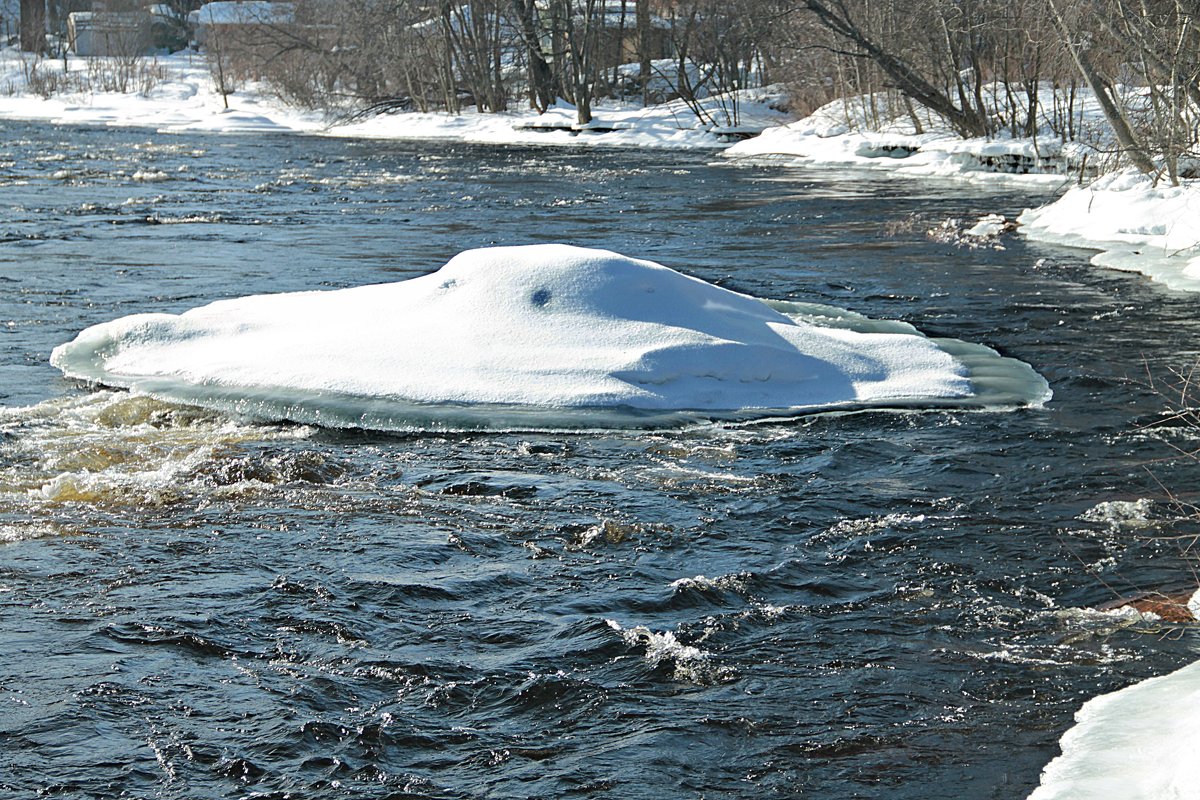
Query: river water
x=876, y=604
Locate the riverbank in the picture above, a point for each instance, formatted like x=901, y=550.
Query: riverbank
x=1137, y=226
x=176, y=94
x=1136, y=223
x=1133, y=223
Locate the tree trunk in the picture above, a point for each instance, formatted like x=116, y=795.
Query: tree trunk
x=1102, y=89
x=582, y=30
x=642, y=22
x=541, y=79
x=1154, y=60
x=966, y=122
x=33, y=26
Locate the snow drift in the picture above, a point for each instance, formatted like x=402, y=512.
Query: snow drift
x=536, y=336
x=872, y=132
x=1140, y=743
x=1140, y=225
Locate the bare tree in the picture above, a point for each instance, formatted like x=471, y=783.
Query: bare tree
x=542, y=82
x=578, y=26
x=479, y=39
x=642, y=22
x=33, y=26
x=965, y=116
x=982, y=66
x=1082, y=45
x=1163, y=47
x=722, y=46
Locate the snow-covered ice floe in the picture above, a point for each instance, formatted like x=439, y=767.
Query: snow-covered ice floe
x=540, y=336
x=1139, y=743
x=1137, y=225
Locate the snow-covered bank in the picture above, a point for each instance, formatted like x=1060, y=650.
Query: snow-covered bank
x=841, y=134
x=176, y=94
x=939, y=155
x=1135, y=224
x=537, y=336
x=1139, y=743
x=172, y=93
x=667, y=126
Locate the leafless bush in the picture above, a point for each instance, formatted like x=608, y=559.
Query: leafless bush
x=124, y=74
x=1180, y=393
x=46, y=79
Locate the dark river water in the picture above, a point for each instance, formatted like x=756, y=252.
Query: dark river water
x=876, y=604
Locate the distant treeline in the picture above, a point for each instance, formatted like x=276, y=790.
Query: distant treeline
x=981, y=66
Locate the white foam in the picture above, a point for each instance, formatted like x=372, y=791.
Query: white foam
x=536, y=336
x=112, y=449
x=691, y=664
x=150, y=176
x=1139, y=743
x=738, y=583
x=865, y=526
x=1121, y=513
x=22, y=531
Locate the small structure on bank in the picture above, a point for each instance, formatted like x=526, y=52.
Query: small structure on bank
x=238, y=20
x=110, y=33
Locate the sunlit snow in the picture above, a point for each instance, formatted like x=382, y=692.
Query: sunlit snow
x=182, y=98
x=540, y=335
x=1137, y=223
x=1140, y=743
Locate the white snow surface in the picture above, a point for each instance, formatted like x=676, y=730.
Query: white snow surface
x=245, y=12
x=541, y=335
x=1136, y=224
x=1139, y=743
x=847, y=133
x=182, y=98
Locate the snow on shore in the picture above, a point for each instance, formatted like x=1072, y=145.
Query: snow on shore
x=1136, y=225
x=842, y=134
x=668, y=126
x=1139, y=743
x=172, y=93
x=176, y=94
x=542, y=336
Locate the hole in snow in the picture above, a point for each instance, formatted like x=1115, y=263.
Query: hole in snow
x=541, y=297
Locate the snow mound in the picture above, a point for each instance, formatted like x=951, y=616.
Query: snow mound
x=1140, y=743
x=536, y=336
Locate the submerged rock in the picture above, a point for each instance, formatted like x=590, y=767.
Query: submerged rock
x=1181, y=606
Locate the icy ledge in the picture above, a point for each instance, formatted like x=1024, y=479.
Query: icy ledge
x=543, y=336
x=1140, y=743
